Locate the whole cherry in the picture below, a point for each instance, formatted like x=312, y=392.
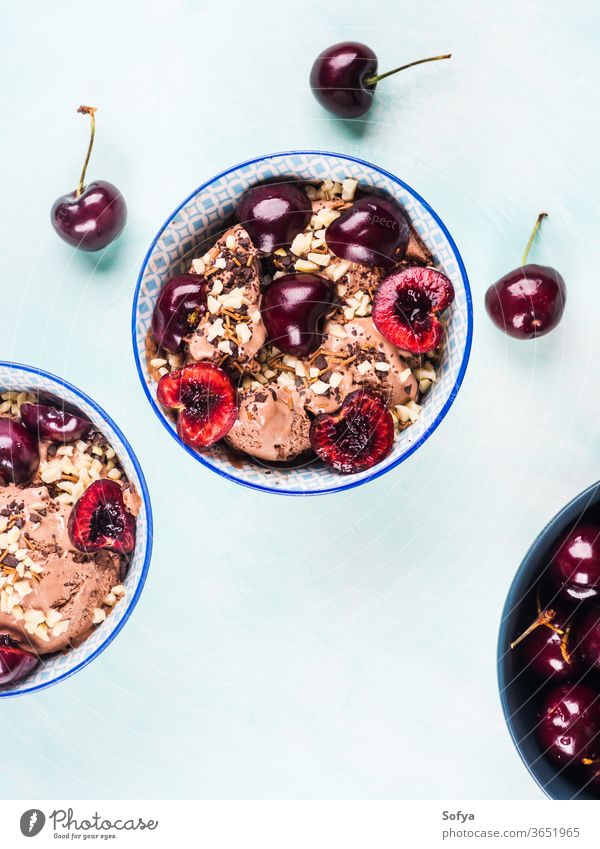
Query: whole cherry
x=179, y=306
x=575, y=567
x=529, y=301
x=19, y=452
x=343, y=77
x=374, y=231
x=293, y=309
x=273, y=213
x=55, y=423
x=547, y=645
x=92, y=216
x=568, y=729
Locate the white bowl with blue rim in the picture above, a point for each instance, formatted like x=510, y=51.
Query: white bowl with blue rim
x=208, y=211
x=54, y=668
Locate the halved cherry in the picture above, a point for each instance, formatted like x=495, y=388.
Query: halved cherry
x=14, y=662
x=205, y=400
x=407, y=305
x=100, y=519
x=54, y=423
x=356, y=438
x=180, y=304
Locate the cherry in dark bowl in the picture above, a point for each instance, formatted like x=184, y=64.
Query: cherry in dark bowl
x=557, y=732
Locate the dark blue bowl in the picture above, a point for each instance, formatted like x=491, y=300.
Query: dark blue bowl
x=515, y=690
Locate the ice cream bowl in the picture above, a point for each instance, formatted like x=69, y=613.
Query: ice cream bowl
x=56, y=667
x=207, y=212
x=520, y=695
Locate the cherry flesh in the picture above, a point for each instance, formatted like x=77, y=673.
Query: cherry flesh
x=92, y=216
x=529, y=301
x=100, y=520
x=15, y=663
x=53, y=423
x=180, y=304
x=356, y=438
x=205, y=401
x=575, y=567
x=374, y=231
x=343, y=77
x=19, y=453
x=569, y=724
x=293, y=309
x=407, y=308
x=273, y=214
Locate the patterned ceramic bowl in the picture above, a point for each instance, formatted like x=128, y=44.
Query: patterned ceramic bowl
x=58, y=667
x=208, y=210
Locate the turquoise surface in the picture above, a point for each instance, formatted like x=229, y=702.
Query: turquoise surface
x=333, y=647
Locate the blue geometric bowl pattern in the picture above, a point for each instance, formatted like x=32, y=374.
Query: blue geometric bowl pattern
x=53, y=669
x=208, y=210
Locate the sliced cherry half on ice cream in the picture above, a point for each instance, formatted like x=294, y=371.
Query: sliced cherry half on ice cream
x=53, y=422
x=179, y=306
x=293, y=309
x=100, y=520
x=273, y=214
x=407, y=305
x=374, y=231
x=14, y=662
x=205, y=400
x=356, y=438
x=19, y=453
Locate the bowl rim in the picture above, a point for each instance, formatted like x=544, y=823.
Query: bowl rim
x=453, y=392
x=541, y=539
x=149, y=535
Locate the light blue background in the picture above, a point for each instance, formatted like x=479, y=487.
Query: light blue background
x=333, y=647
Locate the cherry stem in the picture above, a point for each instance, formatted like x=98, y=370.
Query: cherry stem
x=373, y=80
x=534, y=233
x=544, y=618
x=87, y=110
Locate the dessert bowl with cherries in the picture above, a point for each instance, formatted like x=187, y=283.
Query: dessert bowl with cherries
x=75, y=530
x=549, y=653
x=302, y=322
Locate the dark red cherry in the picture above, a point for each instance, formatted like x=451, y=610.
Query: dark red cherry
x=205, y=401
x=529, y=301
x=19, y=453
x=374, y=231
x=55, y=423
x=100, y=519
x=273, y=214
x=588, y=639
x=344, y=76
x=293, y=309
x=407, y=307
x=575, y=567
x=15, y=663
x=92, y=216
x=358, y=437
x=547, y=646
x=568, y=727
x=179, y=306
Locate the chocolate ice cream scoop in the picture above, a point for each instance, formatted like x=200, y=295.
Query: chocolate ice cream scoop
x=272, y=425
x=48, y=592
